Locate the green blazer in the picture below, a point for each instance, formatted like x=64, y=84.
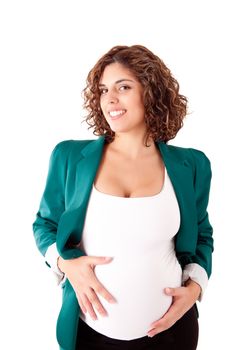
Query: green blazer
x=72, y=170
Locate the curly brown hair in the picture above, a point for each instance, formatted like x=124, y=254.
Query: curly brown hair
x=165, y=108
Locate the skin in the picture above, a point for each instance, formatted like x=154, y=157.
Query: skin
x=120, y=90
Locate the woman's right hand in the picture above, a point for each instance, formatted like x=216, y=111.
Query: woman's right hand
x=80, y=273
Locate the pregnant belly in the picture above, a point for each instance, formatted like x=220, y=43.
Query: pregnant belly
x=138, y=286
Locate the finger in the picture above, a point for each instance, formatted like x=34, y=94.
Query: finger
x=160, y=327
x=84, y=310
x=94, y=300
x=174, y=291
x=99, y=260
x=102, y=291
x=82, y=307
x=151, y=333
x=87, y=304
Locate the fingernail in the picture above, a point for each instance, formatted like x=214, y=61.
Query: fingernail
x=112, y=301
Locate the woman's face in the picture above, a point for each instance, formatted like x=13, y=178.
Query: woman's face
x=121, y=99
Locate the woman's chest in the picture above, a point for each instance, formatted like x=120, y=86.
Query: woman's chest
x=130, y=178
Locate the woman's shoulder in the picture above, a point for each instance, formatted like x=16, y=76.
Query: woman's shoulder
x=73, y=148
x=194, y=156
x=67, y=145
x=186, y=151
x=73, y=143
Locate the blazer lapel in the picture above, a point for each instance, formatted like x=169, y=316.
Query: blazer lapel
x=71, y=223
x=86, y=170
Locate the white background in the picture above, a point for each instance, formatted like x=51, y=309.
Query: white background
x=47, y=49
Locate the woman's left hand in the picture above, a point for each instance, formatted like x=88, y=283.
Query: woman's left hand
x=183, y=299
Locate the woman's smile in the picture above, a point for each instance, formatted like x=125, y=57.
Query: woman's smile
x=116, y=114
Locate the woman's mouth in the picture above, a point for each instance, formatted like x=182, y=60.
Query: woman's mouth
x=117, y=114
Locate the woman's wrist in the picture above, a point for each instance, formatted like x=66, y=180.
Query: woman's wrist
x=60, y=264
x=194, y=286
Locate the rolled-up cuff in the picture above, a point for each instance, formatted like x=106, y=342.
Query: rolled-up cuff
x=198, y=274
x=51, y=258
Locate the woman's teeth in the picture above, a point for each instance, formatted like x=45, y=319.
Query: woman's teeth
x=117, y=114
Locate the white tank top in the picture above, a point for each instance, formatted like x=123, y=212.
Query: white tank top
x=138, y=232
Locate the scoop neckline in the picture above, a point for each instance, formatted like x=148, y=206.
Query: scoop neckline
x=137, y=198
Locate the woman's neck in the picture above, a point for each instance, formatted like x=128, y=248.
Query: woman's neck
x=131, y=147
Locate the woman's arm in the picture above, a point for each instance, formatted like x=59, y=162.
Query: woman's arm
x=52, y=203
x=202, y=182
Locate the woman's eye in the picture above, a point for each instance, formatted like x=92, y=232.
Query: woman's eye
x=124, y=87
x=103, y=91
x=121, y=88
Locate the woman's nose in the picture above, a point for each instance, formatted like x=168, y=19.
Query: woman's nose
x=112, y=98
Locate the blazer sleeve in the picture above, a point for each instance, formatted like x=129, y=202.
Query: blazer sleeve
x=53, y=204
x=202, y=182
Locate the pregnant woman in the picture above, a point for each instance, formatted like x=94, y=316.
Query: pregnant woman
x=123, y=218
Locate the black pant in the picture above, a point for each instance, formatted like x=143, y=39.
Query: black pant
x=183, y=335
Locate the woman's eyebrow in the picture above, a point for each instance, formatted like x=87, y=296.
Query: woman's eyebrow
x=119, y=81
